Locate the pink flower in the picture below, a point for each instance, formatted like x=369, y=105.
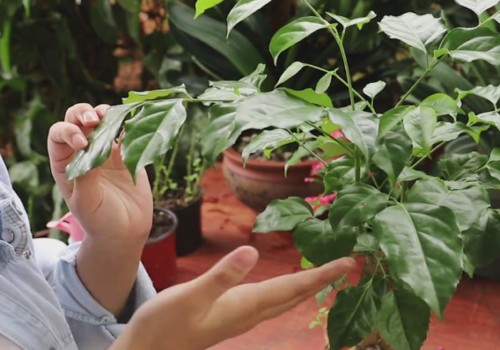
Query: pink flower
x=338, y=134
x=329, y=198
x=320, y=201
x=311, y=199
x=316, y=168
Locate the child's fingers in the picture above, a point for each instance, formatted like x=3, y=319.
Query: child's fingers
x=82, y=114
x=227, y=273
x=65, y=134
x=101, y=110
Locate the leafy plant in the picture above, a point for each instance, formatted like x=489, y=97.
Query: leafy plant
x=417, y=231
x=177, y=174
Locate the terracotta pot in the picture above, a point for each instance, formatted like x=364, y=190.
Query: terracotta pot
x=188, y=235
x=261, y=181
x=158, y=255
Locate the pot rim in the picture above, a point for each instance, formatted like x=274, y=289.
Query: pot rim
x=170, y=231
x=235, y=156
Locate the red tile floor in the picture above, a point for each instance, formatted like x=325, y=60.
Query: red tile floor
x=471, y=321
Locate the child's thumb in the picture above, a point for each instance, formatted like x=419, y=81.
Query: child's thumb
x=227, y=273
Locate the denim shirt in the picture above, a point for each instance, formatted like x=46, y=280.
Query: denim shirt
x=55, y=312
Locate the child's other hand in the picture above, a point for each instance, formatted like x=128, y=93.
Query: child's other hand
x=213, y=307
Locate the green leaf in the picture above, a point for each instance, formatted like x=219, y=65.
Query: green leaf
x=237, y=49
x=359, y=22
x=259, y=111
x=355, y=204
x=290, y=72
x=311, y=96
x=478, y=6
x=414, y=30
x=359, y=127
x=224, y=90
x=294, y=32
x=315, y=240
x=496, y=17
x=25, y=175
x=103, y=22
x=410, y=174
x=283, y=215
x=242, y=10
x=24, y=125
x=482, y=240
x=339, y=173
x=467, y=204
x=268, y=139
x=366, y=243
x=460, y=166
x=151, y=132
x=302, y=152
x=420, y=242
x=470, y=44
x=305, y=264
x=227, y=91
x=130, y=5
x=420, y=124
x=445, y=132
x=222, y=132
x=392, y=118
x=354, y=314
x=490, y=118
x=276, y=109
x=100, y=142
x=139, y=96
x=490, y=93
x=442, y=104
x=392, y=154
x=373, y=89
x=403, y=320
x=203, y=5
x=324, y=83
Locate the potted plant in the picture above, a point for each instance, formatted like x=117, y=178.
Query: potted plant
x=417, y=232
x=176, y=182
x=258, y=179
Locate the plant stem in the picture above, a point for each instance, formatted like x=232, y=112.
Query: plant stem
x=432, y=151
x=358, y=95
x=5, y=48
x=357, y=168
x=419, y=80
x=339, y=42
x=331, y=137
x=309, y=150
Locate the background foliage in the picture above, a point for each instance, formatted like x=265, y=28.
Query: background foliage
x=56, y=53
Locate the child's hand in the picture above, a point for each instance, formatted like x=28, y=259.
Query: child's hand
x=105, y=200
x=212, y=308
x=115, y=214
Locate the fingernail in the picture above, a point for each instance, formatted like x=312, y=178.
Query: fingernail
x=244, y=259
x=90, y=117
x=79, y=141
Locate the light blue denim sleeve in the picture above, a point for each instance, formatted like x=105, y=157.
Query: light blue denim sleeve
x=93, y=327
x=31, y=317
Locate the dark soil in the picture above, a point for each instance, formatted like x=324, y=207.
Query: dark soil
x=162, y=222
x=174, y=199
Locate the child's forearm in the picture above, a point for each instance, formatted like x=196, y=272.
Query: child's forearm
x=108, y=269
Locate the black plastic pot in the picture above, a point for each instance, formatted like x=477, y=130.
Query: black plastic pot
x=188, y=233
